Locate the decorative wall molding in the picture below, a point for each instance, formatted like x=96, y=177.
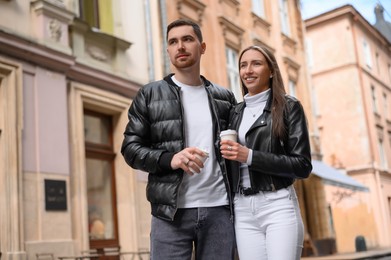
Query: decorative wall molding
x=292, y=68
x=11, y=179
x=289, y=44
x=191, y=9
x=228, y=5
x=232, y=33
x=51, y=19
x=98, y=49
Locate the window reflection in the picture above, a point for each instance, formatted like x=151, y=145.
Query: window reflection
x=99, y=199
x=100, y=184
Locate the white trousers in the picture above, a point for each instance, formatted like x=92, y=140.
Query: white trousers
x=268, y=225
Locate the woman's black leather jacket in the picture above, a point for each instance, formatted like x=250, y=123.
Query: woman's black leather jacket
x=275, y=163
x=155, y=132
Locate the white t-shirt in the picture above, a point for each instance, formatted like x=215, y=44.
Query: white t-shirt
x=207, y=188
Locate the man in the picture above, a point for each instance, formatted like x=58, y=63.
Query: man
x=173, y=124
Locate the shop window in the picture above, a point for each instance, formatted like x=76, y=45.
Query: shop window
x=100, y=179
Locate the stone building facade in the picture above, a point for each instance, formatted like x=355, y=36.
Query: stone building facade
x=68, y=72
x=65, y=87
x=350, y=66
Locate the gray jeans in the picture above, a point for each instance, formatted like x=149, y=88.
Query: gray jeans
x=209, y=231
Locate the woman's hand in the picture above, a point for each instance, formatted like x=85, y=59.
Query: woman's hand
x=234, y=151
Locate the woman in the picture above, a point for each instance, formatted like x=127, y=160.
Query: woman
x=273, y=150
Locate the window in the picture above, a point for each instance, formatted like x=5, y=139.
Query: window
x=309, y=56
x=292, y=88
x=377, y=62
x=367, y=54
x=385, y=104
x=258, y=8
x=101, y=192
x=389, y=71
x=389, y=138
x=97, y=14
x=315, y=101
x=284, y=17
x=233, y=73
x=383, y=160
x=374, y=105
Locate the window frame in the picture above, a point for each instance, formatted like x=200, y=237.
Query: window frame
x=367, y=54
x=104, y=152
x=382, y=154
x=233, y=75
x=284, y=17
x=90, y=16
x=292, y=88
x=258, y=8
x=374, y=99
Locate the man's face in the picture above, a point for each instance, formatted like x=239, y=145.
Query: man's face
x=184, y=48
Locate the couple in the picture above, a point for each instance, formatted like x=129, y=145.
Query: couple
x=175, y=123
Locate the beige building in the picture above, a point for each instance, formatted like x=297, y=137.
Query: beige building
x=68, y=72
x=228, y=27
x=350, y=66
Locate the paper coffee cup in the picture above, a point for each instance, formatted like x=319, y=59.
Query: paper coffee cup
x=202, y=158
x=229, y=135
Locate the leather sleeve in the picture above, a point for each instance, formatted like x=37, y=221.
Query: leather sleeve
x=136, y=146
x=294, y=160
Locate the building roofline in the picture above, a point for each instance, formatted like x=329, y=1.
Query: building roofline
x=347, y=10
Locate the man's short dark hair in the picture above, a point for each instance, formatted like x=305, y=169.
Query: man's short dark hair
x=181, y=22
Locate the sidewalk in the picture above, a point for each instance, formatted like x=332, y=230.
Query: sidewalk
x=384, y=254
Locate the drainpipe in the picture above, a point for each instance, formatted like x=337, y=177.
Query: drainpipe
x=163, y=22
x=151, y=60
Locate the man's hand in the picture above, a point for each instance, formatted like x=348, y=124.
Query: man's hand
x=188, y=160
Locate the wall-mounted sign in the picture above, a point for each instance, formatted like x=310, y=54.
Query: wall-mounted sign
x=55, y=195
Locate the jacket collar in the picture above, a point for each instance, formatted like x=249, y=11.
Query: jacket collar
x=168, y=79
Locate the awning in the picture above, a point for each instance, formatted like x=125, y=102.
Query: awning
x=334, y=177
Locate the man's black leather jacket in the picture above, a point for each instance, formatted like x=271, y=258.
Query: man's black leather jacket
x=275, y=163
x=155, y=132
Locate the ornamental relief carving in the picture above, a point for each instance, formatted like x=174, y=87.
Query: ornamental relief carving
x=98, y=53
x=55, y=30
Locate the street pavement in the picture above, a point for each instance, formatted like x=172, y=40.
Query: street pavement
x=379, y=254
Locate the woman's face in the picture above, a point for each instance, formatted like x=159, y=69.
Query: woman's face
x=254, y=71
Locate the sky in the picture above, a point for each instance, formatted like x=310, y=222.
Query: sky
x=311, y=8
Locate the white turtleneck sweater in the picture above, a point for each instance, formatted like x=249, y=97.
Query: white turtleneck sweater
x=254, y=108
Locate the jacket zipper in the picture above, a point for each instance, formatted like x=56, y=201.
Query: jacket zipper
x=177, y=90
x=221, y=163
